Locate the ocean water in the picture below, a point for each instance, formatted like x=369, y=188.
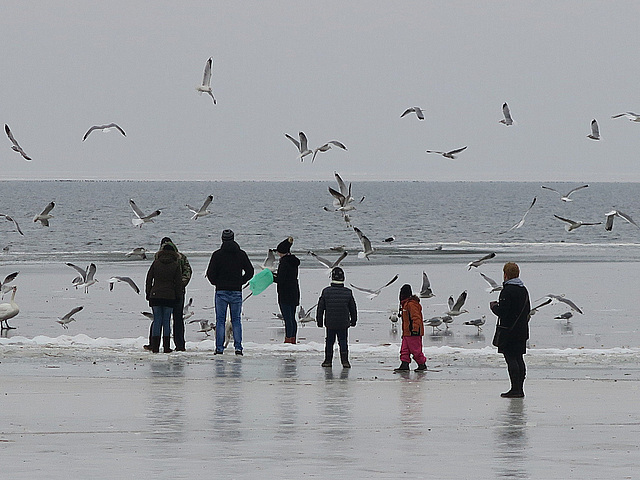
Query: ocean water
x=438, y=228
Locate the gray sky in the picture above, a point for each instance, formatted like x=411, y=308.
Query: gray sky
x=333, y=69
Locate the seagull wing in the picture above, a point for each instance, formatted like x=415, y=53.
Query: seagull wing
x=507, y=114
x=48, y=208
x=72, y=313
x=458, y=150
x=81, y=271
x=10, y=278
x=91, y=271
x=389, y=282
x=436, y=151
x=152, y=215
x=206, y=78
x=117, y=127
x=206, y=203
x=621, y=215
x=270, y=260
x=407, y=112
x=535, y=309
x=366, y=243
x=552, y=189
x=576, y=189
x=425, y=289
x=489, y=280
x=95, y=127
x=337, y=144
x=10, y=219
x=608, y=226
x=295, y=142
x=366, y=290
x=341, y=185
x=595, y=131
x=322, y=260
x=131, y=283
x=450, y=302
x=340, y=258
x=419, y=113
x=16, y=145
x=565, y=220
x=460, y=302
x=568, y=302
x=342, y=200
x=619, y=115
x=135, y=208
x=303, y=142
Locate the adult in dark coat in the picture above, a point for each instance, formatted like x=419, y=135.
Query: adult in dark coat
x=163, y=286
x=512, y=309
x=337, y=311
x=288, y=288
x=229, y=269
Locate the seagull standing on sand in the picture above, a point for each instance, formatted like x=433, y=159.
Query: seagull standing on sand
x=127, y=280
x=565, y=316
x=572, y=224
x=104, y=128
x=633, y=117
x=86, y=276
x=434, y=323
x=9, y=310
x=15, y=224
x=367, y=249
x=141, y=218
x=595, y=131
x=69, y=317
x=478, y=322
x=477, y=263
x=425, y=290
x=44, y=216
x=15, y=147
x=455, y=309
x=416, y=110
x=301, y=145
x=616, y=213
x=202, y=211
x=206, y=80
x=450, y=154
x=565, y=198
x=374, y=293
x=521, y=222
x=507, y=120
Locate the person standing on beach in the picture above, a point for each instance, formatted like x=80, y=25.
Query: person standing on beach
x=512, y=310
x=412, y=330
x=337, y=312
x=163, y=287
x=229, y=269
x=288, y=288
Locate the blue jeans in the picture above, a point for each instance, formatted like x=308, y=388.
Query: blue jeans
x=161, y=326
x=233, y=300
x=289, y=316
x=343, y=344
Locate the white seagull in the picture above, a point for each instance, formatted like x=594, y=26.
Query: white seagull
x=367, y=249
x=456, y=308
x=128, y=280
x=326, y=147
x=595, y=131
x=270, y=261
x=138, y=252
x=186, y=310
x=341, y=202
x=86, y=276
x=44, y=216
x=507, y=120
x=69, y=317
x=616, y=213
x=450, y=154
x=141, y=218
x=304, y=316
x=4, y=288
x=301, y=145
x=493, y=285
x=521, y=222
x=15, y=224
x=572, y=224
x=374, y=293
x=434, y=323
x=104, y=128
x=561, y=298
x=478, y=322
x=425, y=290
x=15, y=147
x=565, y=198
x=202, y=211
x=565, y=316
x=206, y=80
x=417, y=110
x=634, y=117
x=480, y=261
x=205, y=326
x=327, y=263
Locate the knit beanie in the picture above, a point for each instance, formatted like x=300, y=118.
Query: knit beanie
x=405, y=292
x=285, y=245
x=337, y=275
x=227, y=235
x=165, y=240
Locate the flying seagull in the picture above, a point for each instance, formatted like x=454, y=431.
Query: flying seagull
x=327, y=146
x=493, y=285
x=521, y=222
x=416, y=110
x=104, y=128
x=595, y=131
x=634, y=117
x=425, y=290
x=507, y=120
x=141, y=218
x=270, y=261
x=15, y=147
x=561, y=298
x=128, y=280
x=137, y=252
x=374, y=293
x=10, y=219
x=86, y=276
x=69, y=317
x=205, y=326
x=367, y=249
x=456, y=308
x=616, y=213
x=572, y=224
x=565, y=198
x=202, y=211
x=450, y=154
x=44, y=216
x=480, y=261
x=4, y=288
x=206, y=80
x=327, y=263
x=301, y=145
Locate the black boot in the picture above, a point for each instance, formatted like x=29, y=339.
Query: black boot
x=404, y=366
x=166, y=344
x=328, y=358
x=155, y=344
x=148, y=346
x=516, y=386
x=344, y=358
x=422, y=367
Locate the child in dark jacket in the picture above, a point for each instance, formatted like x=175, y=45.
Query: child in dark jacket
x=412, y=330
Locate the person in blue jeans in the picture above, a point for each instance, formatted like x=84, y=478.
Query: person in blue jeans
x=229, y=269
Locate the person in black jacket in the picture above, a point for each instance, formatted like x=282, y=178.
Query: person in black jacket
x=229, y=269
x=288, y=289
x=512, y=309
x=337, y=312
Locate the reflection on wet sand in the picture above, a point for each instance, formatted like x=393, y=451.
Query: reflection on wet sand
x=166, y=413
x=227, y=406
x=287, y=399
x=511, y=442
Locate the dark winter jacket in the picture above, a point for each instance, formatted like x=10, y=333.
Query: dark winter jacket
x=411, y=312
x=513, y=307
x=185, y=267
x=287, y=279
x=164, y=279
x=337, y=308
x=229, y=267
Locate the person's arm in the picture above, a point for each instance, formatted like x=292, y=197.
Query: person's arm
x=148, y=282
x=177, y=282
x=320, y=311
x=248, y=269
x=353, y=311
x=211, y=270
x=186, y=271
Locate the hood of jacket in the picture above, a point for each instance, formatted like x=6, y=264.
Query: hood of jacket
x=167, y=256
x=412, y=298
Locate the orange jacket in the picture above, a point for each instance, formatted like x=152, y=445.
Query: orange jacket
x=411, y=311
